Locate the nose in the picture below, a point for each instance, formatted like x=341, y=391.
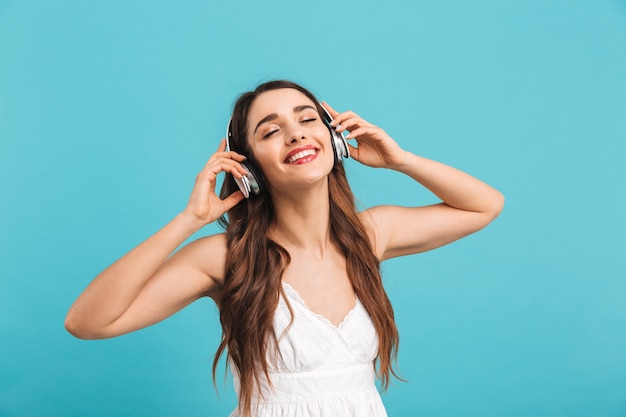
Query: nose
x=295, y=133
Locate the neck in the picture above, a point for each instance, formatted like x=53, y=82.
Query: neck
x=302, y=220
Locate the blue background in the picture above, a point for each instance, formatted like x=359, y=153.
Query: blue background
x=109, y=109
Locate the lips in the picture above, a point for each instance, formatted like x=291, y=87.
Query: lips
x=301, y=154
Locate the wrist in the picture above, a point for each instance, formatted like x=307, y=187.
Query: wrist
x=190, y=221
x=404, y=161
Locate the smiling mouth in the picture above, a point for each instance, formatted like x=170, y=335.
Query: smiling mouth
x=302, y=156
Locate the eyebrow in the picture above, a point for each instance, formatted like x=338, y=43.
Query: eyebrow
x=274, y=116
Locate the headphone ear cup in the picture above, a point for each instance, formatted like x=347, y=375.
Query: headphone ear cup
x=250, y=184
x=340, y=145
x=339, y=142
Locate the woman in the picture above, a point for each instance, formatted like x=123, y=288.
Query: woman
x=306, y=322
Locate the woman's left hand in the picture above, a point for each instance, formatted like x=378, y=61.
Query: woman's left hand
x=375, y=147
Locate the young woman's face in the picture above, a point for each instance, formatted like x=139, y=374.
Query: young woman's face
x=289, y=139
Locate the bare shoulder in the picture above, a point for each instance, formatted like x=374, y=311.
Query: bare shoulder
x=373, y=220
x=380, y=222
x=207, y=255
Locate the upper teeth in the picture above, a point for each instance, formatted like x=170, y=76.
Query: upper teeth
x=301, y=154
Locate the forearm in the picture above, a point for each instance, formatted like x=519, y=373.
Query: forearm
x=454, y=187
x=114, y=289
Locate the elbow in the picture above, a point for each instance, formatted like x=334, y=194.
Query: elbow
x=497, y=205
x=492, y=209
x=79, y=329
x=74, y=328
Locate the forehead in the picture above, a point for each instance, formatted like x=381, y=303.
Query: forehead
x=281, y=101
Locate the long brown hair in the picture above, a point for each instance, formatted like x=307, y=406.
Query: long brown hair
x=255, y=264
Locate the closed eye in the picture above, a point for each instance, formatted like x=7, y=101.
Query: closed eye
x=308, y=120
x=270, y=133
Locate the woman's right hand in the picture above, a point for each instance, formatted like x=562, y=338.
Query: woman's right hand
x=204, y=203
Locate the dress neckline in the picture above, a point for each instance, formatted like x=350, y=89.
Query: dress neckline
x=296, y=296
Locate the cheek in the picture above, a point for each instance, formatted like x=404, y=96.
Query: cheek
x=264, y=156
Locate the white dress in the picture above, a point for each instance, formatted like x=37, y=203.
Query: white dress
x=319, y=369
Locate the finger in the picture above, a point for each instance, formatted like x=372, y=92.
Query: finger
x=222, y=149
x=205, y=182
x=332, y=111
x=338, y=119
x=232, y=200
x=222, y=146
x=212, y=170
x=232, y=155
x=206, y=179
x=226, y=165
x=362, y=131
x=351, y=128
x=349, y=122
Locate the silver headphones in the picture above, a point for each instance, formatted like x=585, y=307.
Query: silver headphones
x=252, y=184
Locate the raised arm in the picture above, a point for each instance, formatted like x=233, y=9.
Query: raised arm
x=468, y=204
x=147, y=284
